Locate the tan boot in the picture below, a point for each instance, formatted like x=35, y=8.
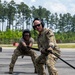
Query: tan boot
x=10, y=70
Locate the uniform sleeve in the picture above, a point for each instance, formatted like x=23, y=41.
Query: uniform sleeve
x=32, y=40
x=51, y=38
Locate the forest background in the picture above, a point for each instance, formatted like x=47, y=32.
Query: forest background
x=14, y=18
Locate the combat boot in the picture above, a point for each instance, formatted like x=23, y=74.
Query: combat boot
x=10, y=70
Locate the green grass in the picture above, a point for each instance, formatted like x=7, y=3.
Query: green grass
x=61, y=45
x=65, y=45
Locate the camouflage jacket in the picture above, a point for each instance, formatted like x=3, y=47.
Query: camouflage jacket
x=47, y=39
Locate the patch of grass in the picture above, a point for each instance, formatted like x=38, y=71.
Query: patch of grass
x=35, y=46
x=65, y=45
x=61, y=45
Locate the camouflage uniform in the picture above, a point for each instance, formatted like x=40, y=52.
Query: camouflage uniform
x=21, y=50
x=45, y=40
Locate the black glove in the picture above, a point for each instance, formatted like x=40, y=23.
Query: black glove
x=49, y=50
x=28, y=47
x=43, y=51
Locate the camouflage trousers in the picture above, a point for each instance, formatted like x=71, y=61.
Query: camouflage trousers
x=17, y=53
x=50, y=63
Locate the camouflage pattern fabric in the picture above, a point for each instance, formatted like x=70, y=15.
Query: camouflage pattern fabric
x=22, y=51
x=45, y=40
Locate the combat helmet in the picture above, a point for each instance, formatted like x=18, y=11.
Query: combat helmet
x=26, y=31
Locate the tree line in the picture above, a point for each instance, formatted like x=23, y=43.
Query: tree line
x=17, y=16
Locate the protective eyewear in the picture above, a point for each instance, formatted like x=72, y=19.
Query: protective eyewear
x=36, y=25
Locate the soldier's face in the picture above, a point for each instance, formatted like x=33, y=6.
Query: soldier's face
x=26, y=36
x=37, y=25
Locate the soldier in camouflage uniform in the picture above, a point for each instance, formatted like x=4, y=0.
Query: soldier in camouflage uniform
x=46, y=41
x=22, y=50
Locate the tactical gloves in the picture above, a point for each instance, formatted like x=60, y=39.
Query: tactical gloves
x=49, y=50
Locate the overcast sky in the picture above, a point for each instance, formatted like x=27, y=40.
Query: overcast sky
x=59, y=6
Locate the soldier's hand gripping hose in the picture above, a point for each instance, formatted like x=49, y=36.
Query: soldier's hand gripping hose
x=55, y=55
